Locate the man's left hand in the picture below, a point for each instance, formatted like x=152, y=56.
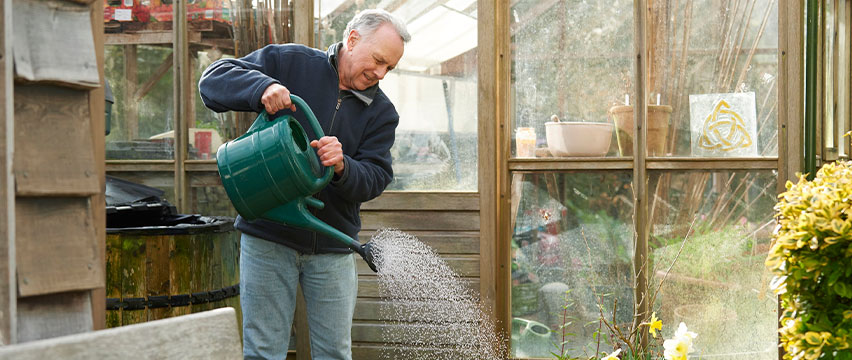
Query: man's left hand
x=330, y=152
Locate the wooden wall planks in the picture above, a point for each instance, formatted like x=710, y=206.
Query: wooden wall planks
x=55, y=246
x=53, y=142
x=447, y=222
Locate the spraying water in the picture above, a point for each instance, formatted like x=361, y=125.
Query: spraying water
x=429, y=306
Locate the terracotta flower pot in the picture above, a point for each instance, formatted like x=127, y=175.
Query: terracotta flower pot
x=657, y=128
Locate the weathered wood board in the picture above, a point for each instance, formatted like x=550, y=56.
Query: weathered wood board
x=48, y=316
x=53, y=142
x=55, y=246
x=208, y=335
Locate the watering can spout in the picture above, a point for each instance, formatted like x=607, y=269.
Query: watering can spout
x=296, y=214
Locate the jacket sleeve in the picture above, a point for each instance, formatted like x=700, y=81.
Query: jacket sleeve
x=238, y=84
x=369, y=172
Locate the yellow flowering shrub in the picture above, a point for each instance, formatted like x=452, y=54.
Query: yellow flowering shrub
x=811, y=258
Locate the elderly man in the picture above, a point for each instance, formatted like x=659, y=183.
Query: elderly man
x=341, y=87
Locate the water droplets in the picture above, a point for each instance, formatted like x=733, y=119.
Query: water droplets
x=429, y=307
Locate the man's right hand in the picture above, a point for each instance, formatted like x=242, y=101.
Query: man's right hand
x=276, y=97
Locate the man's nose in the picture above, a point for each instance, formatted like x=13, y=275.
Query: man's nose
x=381, y=72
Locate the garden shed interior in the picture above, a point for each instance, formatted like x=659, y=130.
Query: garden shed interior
x=569, y=160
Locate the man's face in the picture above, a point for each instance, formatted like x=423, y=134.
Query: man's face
x=369, y=59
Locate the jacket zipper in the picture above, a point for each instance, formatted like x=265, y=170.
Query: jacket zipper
x=336, y=108
x=330, y=127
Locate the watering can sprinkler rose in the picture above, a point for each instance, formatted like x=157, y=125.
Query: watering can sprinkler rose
x=271, y=173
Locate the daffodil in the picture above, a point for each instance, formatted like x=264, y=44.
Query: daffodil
x=680, y=346
x=613, y=356
x=676, y=349
x=682, y=331
x=655, y=325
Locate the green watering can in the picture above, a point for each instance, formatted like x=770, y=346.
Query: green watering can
x=270, y=172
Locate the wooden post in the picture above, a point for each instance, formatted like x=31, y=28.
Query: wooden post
x=303, y=22
x=493, y=86
x=98, y=124
x=640, y=256
x=8, y=291
x=790, y=115
x=303, y=33
x=131, y=108
x=182, y=80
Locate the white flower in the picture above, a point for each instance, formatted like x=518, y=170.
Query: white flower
x=612, y=356
x=683, y=332
x=678, y=347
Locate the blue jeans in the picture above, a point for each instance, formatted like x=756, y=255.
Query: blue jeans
x=269, y=275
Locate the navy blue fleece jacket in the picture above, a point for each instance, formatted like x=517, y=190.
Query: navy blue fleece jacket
x=363, y=121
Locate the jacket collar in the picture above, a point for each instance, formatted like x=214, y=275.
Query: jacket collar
x=366, y=96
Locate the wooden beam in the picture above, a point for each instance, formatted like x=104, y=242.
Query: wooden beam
x=98, y=126
x=492, y=88
x=790, y=117
x=182, y=79
x=141, y=165
x=130, y=107
x=303, y=22
x=148, y=38
x=8, y=287
x=155, y=77
x=844, y=74
x=561, y=164
x=640, y=221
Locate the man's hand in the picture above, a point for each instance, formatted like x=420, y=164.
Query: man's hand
x=276, y=97
x=330, y=152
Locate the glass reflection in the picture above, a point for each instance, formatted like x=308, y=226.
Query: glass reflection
x=710, y=235
x=572, y=249
x=434, y=89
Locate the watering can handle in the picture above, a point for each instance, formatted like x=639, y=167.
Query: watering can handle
x=262, y=122
x=315, y=125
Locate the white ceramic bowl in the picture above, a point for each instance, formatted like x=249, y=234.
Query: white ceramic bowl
x=573, y=138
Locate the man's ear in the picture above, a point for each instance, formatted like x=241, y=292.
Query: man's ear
x=353, y=38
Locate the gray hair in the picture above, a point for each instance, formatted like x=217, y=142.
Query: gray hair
x=367, y=21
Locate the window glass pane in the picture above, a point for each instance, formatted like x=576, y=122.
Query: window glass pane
x=572, y=245
x=141, y=119
x=161, y=180
x=237, y=32
x=715, y=228
x=434, y=89
x=713, y=78
x=208, y=197
x=571, y=59
x=138, y=66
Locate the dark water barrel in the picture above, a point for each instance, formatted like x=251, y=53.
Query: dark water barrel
x=189, y=265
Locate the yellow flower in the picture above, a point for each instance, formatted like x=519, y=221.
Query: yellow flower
x=654, y=325
x=613, y=356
